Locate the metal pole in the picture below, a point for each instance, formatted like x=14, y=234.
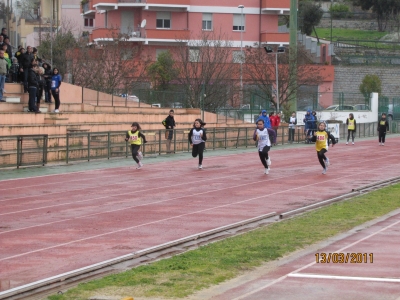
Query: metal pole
x=277, y=83
x=331, y=19
x=293, y=55
x=241, y=53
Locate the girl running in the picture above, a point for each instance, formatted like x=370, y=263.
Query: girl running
x=197, y=137
x=321, y=139
x=135, y=138
x=351, y=128
x=263, y=136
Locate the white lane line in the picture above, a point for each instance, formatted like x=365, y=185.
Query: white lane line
x=310, y=264
x=314, y=276
x=182, y=215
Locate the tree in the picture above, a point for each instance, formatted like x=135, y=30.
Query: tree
x=310, y=15
x=206, y=70
x=162, y=72
x=383, y=9
x=260, y=71
x=370, y=84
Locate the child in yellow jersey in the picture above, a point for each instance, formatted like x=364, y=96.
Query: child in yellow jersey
x=351, y=128
x=321, y=139
x=135, y=138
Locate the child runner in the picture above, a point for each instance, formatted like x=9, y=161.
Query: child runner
x=135, y=138
x=262, y=136
x=351, y=128
x=321, y=139
x=383, y=127
x=197, y=137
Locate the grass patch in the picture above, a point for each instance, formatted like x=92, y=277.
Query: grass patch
x=353, y=34
x=184, y=274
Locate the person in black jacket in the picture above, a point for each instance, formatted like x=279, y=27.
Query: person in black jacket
x=169, y=125
x=383, y=127
x=33, y=83
x=25, y=63
x=48, y=73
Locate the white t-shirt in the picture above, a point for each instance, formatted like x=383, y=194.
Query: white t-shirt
x=263, y=139
x=196, y=137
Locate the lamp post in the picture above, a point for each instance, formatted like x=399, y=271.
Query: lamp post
x=241, y=51
x=280, y=49
x=331, y=19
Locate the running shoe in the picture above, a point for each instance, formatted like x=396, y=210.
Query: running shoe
x=139, y=165
x=140, y=155
x=269, y=161
x=327, y=162
x=383, y=144
x=200, y=167
x=266, y=171
x=324, y=171
x=347, y=143
x=352, y=143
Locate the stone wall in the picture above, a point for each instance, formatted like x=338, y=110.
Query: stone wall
x=349, y=78
x=351, y=24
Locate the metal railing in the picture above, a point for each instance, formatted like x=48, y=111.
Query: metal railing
x=24, y=150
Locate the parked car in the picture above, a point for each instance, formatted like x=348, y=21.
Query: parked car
x=361, y=107
x=337, y=107
x=177, y=105
x=130, y=97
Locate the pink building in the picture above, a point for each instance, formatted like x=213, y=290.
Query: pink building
x=163, y=22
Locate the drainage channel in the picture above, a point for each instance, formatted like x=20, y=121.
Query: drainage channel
x=52, y=285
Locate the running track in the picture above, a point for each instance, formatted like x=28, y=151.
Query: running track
x=54, y=224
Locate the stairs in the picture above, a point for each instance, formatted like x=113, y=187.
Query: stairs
x=91, y=116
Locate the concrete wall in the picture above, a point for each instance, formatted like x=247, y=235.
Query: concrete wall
x=349, y=78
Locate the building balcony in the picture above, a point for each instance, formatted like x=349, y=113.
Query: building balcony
x=87, y=9
x=281, y=7
x=275, y=38
x=144, y=35
x=166, y=5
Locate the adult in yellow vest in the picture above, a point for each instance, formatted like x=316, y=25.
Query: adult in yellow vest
x=351, y=128
x=136, y=139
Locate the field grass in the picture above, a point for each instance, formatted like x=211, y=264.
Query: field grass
x=184, y=274
x=349, y=34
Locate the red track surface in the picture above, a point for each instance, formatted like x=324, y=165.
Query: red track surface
x=54, y=224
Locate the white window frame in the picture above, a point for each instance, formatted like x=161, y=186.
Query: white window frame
x=88, y=21
x=237, y=57
x=207, y=21
x=163, y=16
x=237, y=21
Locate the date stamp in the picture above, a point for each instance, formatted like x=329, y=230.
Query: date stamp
x=344, y=258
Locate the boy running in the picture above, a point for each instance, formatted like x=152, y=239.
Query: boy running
x=262, y=136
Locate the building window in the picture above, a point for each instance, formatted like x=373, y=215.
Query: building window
x=163, y=19
x=238, y=57
x=194, y=55
x=207, y=22
x=238, y=24
x=88, y=22
x=159, y=51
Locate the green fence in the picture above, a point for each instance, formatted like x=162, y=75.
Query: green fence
x=23, y=150
x=16, y=151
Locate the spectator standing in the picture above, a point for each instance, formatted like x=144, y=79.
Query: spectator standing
x=3, y=74
x=25, y=65
x=41, y=83
x=36, y=57
x=1, y=41
x=265, y=118
x=292, y=129
x=4, y=33
x=14, y=71
x=383, y=127
x=9, y=48
x=55, y=88
x=351, y=128
x=169, y=126
x=33, y=83
x=48, y=73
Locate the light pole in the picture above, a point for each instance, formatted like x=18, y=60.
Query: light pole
x=280, y=49
x=241, y=52
x=331, y=19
